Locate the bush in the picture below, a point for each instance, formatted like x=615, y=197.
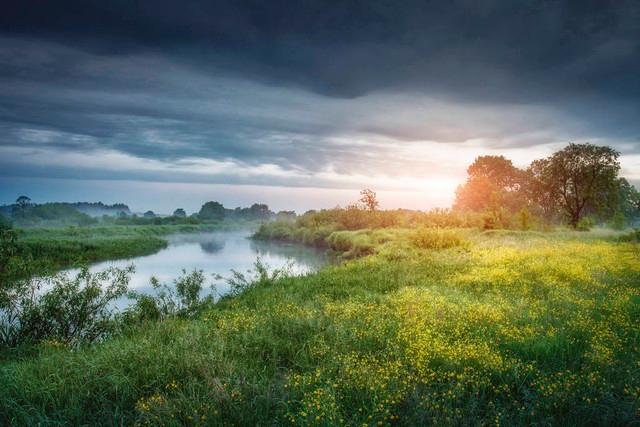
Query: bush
x=72, y=311
x=633, y=237
x=437, y=238
x=618, y=221
x=13, y=263
x=524, y=219
x=585, y=224
x=352, y=244
x=341, y=241
x=260, y=276
x=353, y=218
x=182, y=299
x=5, y=223
x=489, y=222
x=288, y=231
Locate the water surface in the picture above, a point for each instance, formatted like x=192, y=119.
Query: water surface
x=214, y=253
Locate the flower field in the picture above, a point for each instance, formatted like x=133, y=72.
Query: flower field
x=496, y=329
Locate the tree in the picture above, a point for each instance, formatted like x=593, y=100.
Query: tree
x=23, y=202
x=540, y=189
x=475, y=194
x=149, y=214
x=211, y=211
x=628, y=201
x=368, y=199
x=286, y=215
x=491, y=181
x=498, y=170
x=179, y=213
x=259, y=211
x=579, y=178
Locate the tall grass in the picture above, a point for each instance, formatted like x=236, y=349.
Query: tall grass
x=437, y=238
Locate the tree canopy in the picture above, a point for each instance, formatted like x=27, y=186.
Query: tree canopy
x=211, y=211
x=491, y=180
x=579, y=180
x=368, y=199
x=23, y=201
x=179, y=213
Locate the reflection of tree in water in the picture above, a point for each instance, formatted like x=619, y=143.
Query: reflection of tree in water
x=302, y=254
x=212, y=246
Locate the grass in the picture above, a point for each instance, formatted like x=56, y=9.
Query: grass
x=437, y=238
x=54, y=248
x=503, y=329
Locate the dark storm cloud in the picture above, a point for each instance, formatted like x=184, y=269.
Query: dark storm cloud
x=496, y=49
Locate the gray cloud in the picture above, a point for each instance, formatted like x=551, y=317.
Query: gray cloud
x=308, y=90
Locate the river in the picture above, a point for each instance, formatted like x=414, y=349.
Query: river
x=214, y=253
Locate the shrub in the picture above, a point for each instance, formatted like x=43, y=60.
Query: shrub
x=618, y=221
x=354, y=218
x=73, y=311
x=288, y=231
x=585, y=224
x=436, y=238
x=352, y=244
x=633, y=237
x=182, y=299
x=341, y=241
x=13, y=263
x=524, y=219
x=5, y=223
x=261, y=275
x=489, y=222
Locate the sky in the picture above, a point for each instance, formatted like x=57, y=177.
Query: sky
x=164, y=104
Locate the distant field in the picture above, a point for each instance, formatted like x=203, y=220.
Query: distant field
x=442, y=327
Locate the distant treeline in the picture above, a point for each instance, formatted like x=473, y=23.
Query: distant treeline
x=47, y=210
x=25, y=213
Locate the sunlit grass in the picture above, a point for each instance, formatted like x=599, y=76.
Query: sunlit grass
x=514, y=328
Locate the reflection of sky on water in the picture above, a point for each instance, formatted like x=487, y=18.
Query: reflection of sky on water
x=214, y=253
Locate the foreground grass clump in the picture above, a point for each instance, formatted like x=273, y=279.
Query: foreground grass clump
x=437, y=238
x=353, y=244
x=539, y=330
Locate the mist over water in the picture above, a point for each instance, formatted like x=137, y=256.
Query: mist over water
x=215, y=253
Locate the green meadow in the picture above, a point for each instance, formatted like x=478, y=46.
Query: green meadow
x=419, y=326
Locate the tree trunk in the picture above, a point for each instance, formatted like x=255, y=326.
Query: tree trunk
x=575, y=218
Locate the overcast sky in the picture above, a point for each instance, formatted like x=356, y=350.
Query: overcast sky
x=298, y=104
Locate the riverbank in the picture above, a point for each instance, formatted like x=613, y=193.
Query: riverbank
x=50, y=249
x=348, y=244
x=511, y=328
